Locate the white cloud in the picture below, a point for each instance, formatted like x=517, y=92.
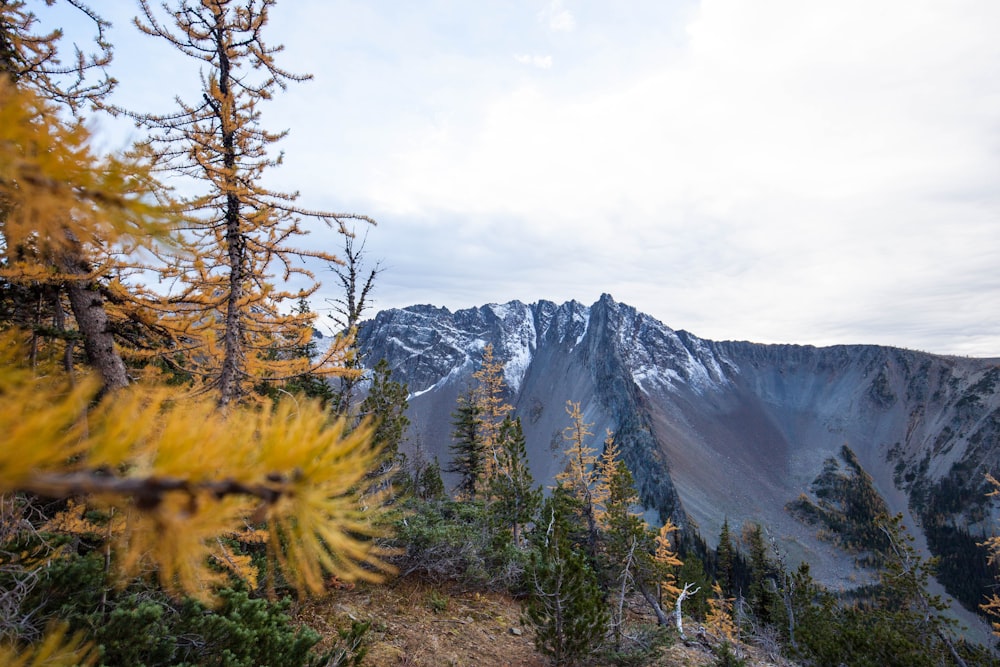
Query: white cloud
x=539, y=61
x=796, y=175
x=557, y=17
x=777, y=171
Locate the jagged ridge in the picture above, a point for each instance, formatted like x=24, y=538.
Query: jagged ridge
x=713, y=430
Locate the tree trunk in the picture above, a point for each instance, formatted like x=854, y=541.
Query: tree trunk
x=98, y=343
x=87, y=304
x=661, y=616
x=686, y=593
x=233, y=363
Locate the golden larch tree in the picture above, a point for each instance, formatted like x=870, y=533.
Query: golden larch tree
x=225, y=305
x=992, y=605
x=580, y=474
x=605, y=468
x=174, y=472
x=55, y=259
x=666, y=560
x=488, y=396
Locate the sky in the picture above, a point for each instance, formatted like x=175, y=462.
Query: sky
x=779, y=171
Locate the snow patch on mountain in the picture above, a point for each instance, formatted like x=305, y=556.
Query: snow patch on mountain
x=660, y=358
x=582, y=317
x=519, y=343
x=456, y=371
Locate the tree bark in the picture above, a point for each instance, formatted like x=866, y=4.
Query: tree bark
x=98, y=343
x=686, y=593
x=661, y=616
x=233, y=363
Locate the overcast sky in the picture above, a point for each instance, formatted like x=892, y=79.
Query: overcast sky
x=797, y=171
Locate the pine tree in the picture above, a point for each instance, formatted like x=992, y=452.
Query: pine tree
x=625, y=543
x=428, y=483
x=226, y=313
x=386, y=405
x=761, y=595
x=915, y=612
x=468, y=457
x=565, y=604
x=724, y=559
x=515, y=496
x=309, y=384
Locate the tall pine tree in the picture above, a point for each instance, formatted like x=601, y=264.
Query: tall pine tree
x=515, y=496
x=386, y=405
x=468, y=457
x=565, y=604
x=724, y=560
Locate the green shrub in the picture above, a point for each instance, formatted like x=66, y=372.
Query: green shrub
x=243, y=632
x=134, y=633
x=725, y=657
x=142, y=627
x=446, y=540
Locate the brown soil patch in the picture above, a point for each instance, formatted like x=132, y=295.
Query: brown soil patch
x=416, y=624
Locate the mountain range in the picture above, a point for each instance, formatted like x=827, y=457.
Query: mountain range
x=716, y=431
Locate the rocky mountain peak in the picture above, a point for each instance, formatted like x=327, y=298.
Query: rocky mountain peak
x=715, y=430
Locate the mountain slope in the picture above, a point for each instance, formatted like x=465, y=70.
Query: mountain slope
x=715, y=430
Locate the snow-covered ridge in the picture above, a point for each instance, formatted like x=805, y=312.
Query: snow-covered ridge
x=518, y=341
x=434, y=344
x=660, y=358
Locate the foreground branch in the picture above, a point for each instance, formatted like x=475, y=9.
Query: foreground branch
x=148, y=492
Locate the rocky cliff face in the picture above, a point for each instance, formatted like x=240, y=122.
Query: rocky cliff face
x=715, y=430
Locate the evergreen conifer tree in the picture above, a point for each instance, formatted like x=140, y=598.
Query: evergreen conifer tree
x=915, y=612
x=429, y=485
x=761, y=597
x=625, y=552
x=724, y=560
x=309, y=383
x=386, y=405
x=565, y=604
x=468, y=457
x=515, y=496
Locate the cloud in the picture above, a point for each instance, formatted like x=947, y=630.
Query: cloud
x=558, y=18
x=775, y=171
x=539, y=61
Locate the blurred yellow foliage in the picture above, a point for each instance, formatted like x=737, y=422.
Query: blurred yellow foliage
x=181, y=474
x=55, y=650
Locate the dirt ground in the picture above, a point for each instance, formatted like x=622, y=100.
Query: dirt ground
x=417, y=624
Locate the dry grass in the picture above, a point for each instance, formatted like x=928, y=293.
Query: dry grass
x=418, y=624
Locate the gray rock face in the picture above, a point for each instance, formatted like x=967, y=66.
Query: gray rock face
x=713, y=430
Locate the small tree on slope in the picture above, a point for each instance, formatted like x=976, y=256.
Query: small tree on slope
x=565, y=604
